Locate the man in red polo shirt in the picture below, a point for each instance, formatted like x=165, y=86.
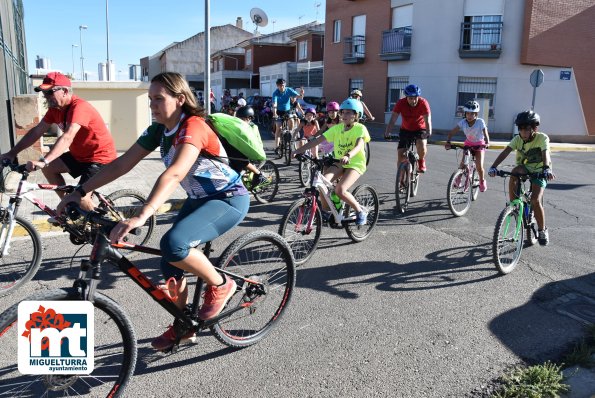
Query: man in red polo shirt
x=86, y=144
x=417, y=123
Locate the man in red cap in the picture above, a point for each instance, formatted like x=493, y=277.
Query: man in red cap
x=86, y=144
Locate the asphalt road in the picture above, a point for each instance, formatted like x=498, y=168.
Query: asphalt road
x=417, y=310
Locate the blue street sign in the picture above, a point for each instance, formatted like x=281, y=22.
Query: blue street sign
x=565, y=74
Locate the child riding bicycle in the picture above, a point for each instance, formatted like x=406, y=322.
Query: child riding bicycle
x=309, y=125
x=349, y=138
x=476, y=134
x=332, y=119
x=532, y=156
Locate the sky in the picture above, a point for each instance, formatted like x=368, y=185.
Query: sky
x=137, y=28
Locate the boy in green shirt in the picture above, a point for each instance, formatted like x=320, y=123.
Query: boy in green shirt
x=532, y=156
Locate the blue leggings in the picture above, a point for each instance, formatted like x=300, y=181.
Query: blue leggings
x=199, y=221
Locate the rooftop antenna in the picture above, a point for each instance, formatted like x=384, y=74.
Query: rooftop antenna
x=274, y=25
x=259, y=17
x=300, y=19
x=317, y=5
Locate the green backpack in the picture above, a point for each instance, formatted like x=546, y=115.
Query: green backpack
x=238, y=134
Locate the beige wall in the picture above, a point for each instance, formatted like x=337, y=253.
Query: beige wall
x=124, y=107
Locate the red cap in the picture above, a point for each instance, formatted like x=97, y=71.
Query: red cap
x=53, y=79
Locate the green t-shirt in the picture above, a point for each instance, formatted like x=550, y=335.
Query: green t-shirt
x=529, y=154
x=344, y=141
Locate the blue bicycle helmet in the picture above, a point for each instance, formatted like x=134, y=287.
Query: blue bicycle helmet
x=354, y=105
x=412, y=91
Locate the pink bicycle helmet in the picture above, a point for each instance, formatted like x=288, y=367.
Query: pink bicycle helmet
x=332, y=106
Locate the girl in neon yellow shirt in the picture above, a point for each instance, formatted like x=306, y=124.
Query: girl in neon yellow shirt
x=349, y=138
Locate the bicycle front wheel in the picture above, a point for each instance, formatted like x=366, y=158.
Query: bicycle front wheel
x=402, y=187
x=263, y=257
x=367, y=198
x=367, y=153
x=266, y=192
x=305, y=172
x=508, y=240
x=127, y=203
x=414, y=178
x=459, y=198
x=23, y=254
x=475, y=185
x=115, y=354
x=301, y=235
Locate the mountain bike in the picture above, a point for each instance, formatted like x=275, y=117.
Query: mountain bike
x=516, y=220
x=363, y=120
x=260, y=262
x=302, y=224
x=287, y=144
x=407, y=181
x=266, y=191
x=463, y=185
x=20, y=243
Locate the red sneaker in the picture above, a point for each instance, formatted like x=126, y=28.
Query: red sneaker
x=216, y=297
x=166, y=341
x=421, y=165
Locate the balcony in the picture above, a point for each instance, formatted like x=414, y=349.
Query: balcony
x=396, y=44
x=480, y=40
x=354, y=51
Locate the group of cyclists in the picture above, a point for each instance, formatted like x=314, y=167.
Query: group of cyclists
x=216, y=198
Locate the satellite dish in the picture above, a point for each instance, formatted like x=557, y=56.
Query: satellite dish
x=259, y=17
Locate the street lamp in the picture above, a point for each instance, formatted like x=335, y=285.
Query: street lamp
x=81, y=27
x=73, y=46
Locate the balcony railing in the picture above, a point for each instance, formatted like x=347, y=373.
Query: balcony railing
x=481, y=40
x=354, y=50
x=396, y=44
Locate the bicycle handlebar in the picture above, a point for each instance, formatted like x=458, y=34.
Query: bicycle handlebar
x=392, y=137
x=502, y=173
x=470, y=147
x=19, y=168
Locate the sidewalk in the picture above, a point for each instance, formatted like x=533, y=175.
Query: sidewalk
x=439, y=138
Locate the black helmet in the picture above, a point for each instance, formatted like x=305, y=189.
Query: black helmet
x=245, y=112
x=527, y=118
x=280, y=81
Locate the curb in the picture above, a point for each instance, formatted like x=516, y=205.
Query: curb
x=553, y=146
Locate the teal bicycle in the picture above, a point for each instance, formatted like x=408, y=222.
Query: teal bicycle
x=516, y=226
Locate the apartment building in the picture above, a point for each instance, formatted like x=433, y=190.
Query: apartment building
x=458, y=50
x=13, y=65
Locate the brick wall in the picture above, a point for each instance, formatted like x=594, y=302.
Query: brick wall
x=561, y=33
x=372, y=70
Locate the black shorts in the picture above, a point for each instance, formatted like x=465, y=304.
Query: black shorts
x=406, y=137
x=76, y=168
x=280, y=115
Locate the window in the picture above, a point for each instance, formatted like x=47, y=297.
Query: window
x=249, y=57
x=302, y=50
x=337, y=31
x=475, y=87
x=356, y=84
x=396, y=85
x=484, y=31
x=402, y=16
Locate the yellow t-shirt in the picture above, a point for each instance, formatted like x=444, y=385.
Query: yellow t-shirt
x=345, y=141
x=529, y=154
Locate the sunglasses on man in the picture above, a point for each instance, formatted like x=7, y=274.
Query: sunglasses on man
x=50, y=91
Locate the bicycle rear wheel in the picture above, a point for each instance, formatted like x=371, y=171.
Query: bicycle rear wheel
x=367, y=153
x=508, y=240
x=415, y=175
x=265, y=192
x=261, y=256
x=367, y=198
x=475, y=185
x=287, y=145
x=115, y=354
x=459, y=198
x=127, y=203
x=302, y=238
x=402, y=187
x=23, y=258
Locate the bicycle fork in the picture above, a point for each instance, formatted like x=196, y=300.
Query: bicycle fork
x=6, y=231
x=519, y=223
x=310, y=197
